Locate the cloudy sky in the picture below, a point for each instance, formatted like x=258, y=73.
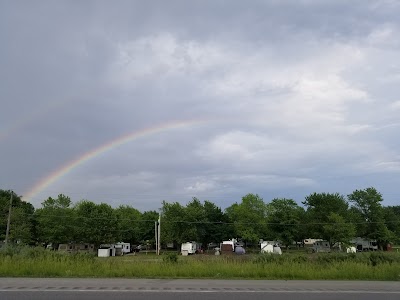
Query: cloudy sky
x=215, y=99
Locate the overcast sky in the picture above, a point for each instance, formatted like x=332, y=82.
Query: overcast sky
x=279, y=98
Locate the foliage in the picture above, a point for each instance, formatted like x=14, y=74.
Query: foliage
x=55, y=221
x=170, y=257
x=21, y=225
x=249, y=218
x=284, y=219
x=319, y=208
x=327, y=216
x=146, y=228
x=337, y=230
x=95, y=223
x=128, y=224
x=37, y=262
x=392, y=220
x=368, y=204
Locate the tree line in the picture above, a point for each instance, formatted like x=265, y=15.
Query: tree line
x=330, y=216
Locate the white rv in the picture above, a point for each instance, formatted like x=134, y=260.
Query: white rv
x=126, y=247
x=362, y=244
x=271, y=247
x=190, y=248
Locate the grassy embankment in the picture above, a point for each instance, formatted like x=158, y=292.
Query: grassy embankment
x=37, y=262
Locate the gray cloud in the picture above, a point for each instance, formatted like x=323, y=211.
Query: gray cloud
x=288, y=98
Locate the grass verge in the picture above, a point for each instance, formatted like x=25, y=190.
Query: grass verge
x=37, y=262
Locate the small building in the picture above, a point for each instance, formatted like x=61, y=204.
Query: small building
x=107, y=250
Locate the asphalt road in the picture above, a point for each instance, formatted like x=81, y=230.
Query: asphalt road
x=102, y=289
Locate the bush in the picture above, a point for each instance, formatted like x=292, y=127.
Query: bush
x=171, y=257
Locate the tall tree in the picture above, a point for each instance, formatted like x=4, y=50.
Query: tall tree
x=218, y=227
x=319, y=208
x=174, y=223
x=392, y=219
x=55, y=220
x=21, y=225
x=337, y=230
x=249, y=218
x=368, y=203
x=284, y=220
x=95, y=223
x=128, y=224
x=146, y=230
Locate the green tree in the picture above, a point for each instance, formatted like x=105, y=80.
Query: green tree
x=95, y=223
x=55, y=220
x=146, y=230
x=319, y=208
x=392, y=219
x=217, y=227
x=337, y=230
x=249, y=218
x=174, y=223
x=21, y=225
x=128, y=224
x=284, y=220
x=368, y=203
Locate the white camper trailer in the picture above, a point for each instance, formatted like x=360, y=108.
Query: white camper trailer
x=271, y=247
x=190, y=248
x=362, y=244
x=125, y=247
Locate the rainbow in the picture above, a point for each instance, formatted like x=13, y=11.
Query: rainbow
x=68, y=167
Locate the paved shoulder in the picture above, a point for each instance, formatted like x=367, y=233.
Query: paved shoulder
x=195, y=285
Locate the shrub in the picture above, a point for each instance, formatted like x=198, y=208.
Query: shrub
x=171, y=257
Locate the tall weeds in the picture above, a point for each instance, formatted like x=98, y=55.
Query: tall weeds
x=38, y=262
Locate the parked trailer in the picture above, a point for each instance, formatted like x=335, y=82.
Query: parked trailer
x=75, y=248
x=321, y=246
x=106, y=250
x=190, y=248
x=126, y=247
x=271, y=247
x=362, y=244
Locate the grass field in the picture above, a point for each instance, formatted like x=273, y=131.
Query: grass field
x=37, y=262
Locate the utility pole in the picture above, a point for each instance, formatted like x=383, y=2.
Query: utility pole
x=156, y=236
x=159, y=234
x=9, y=219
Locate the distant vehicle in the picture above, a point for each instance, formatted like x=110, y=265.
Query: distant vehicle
x=321, y=246
x=310, y=242
x=190, y=248
x=362, y=244
x=126, y=247
x=137, y=248
x=351, y=250
x=228, y=246
x=76, y=247
x=270, y=247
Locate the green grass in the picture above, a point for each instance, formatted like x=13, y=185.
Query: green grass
x=35, y=262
